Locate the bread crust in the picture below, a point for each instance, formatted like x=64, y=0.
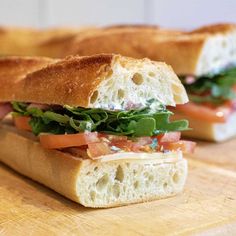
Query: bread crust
x=158, y=45
x=215, y=29
x=34, y=42
x=71, y=81
x=18, y=41
x=54, y=169
x=53, y=42
x=14, y=69
x=182, y=50
x=217, y=132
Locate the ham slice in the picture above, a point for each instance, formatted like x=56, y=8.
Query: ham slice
x=5, y=108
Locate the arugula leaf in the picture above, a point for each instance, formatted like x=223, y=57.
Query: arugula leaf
x=213, y=88
x=133, y=123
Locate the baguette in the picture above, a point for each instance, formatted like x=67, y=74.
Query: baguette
x=199, y=52
x=217, y=132
x=101, y=81
x=94, y=183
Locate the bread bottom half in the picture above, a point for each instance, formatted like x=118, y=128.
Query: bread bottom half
x=93, y=183
x=217, y=132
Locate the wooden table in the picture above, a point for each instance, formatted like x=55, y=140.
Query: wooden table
x=207, y=206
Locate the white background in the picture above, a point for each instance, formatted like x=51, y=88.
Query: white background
x=170, y=13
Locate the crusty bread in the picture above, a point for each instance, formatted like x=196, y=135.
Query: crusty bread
x=100, y=183
x=105, y=81
x=14, y=69
x=18, y=41
x=49, y=42
x=217, y=132
x=54, y=42
x=199, y=52
x=133, y=41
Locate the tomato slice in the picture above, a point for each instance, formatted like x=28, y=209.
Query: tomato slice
x=98, y=149
x=123, y=144
x=22, y=122
x=51, y=141
x=168, y=137
x=183, y=145
x=201, y=112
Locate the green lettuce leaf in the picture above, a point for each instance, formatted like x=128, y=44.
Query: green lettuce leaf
x=133, y=123
x=218, y=87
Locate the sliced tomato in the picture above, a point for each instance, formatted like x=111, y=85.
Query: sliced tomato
x=132, y=146
x=123, y=144
x=22, y=122
x=168, y=137
x=98, y=149
x=51, y=141
x=201, y=112
x=182, y=145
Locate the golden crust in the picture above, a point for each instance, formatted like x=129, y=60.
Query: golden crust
x=128, y=41
x=215, y=29
x=181, y=50
x=158, y=45
x=17, y=41
x=53, y=42
x=14, y=69
x=70, y=81
x=32, y=42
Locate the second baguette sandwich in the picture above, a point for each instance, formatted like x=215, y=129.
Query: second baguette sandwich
x=96, y=129
x=204, y=59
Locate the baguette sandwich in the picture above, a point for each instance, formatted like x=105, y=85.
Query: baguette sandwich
x=205, y=61
x=96, y=129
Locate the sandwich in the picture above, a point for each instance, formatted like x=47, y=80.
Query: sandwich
x=96, y=129
x=204, y=59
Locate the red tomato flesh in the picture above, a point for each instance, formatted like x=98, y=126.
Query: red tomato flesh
x=98, y=149
x=169, y=137
x=182, y=145
x=22, y=122
x=51, y=141
x=201, y=112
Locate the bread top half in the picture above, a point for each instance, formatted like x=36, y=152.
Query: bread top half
x=199, y=52
x=106, y=81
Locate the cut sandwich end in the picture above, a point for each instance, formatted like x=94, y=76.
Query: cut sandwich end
x=219, y=51
x=217, y=132
x=133, y=83
x=119, y=183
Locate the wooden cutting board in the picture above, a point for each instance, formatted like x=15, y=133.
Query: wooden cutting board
x=207, y=207
x=220, y=154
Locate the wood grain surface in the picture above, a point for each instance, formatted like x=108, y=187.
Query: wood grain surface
x=220, y=154
x=206, y=207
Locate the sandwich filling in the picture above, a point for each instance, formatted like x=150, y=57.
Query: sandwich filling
x=212, y=97
x=95, y=132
